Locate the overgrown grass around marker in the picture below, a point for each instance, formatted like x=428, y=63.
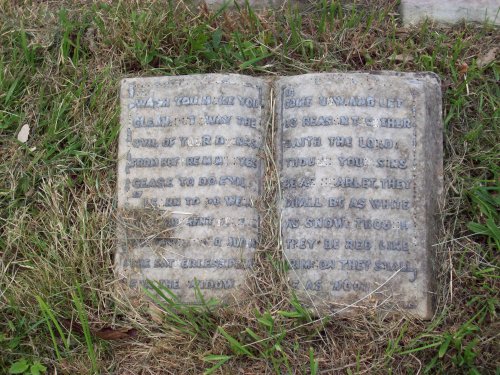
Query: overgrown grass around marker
x=60, y=64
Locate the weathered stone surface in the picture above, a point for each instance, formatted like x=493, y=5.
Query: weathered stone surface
x=360, y=158
x=189, y=174
x=361, y=176
x=450, y=11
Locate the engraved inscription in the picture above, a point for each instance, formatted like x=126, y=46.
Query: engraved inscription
x=352, y=176
x=190, y=159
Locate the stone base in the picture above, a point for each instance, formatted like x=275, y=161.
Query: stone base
x=450, y=11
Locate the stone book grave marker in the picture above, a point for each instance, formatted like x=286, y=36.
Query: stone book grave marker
x=360, y=167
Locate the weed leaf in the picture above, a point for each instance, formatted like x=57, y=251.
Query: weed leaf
x=313, y=364
x=444, y=346
x=236, y=346
x=37, y=368
x=221, y=358
x=19, y=367
x=251, y=62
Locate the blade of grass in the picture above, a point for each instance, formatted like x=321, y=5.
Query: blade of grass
x=78, y=302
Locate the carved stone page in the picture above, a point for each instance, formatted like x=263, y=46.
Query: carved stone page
x=361, y=173
x=189, y=174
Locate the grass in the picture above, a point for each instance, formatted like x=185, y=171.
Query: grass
x=60, y=64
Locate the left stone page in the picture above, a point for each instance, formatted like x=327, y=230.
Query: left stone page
x=189, y=174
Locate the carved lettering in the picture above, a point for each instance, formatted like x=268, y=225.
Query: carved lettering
x=152, y=122
x=303, y=202
x=302, y=142
x=340, y=141
x=305, y=101
x=395, y=123
x=358, y=101
x=317, y=121
x=390, y=204
x=347, y=285
x=355, y=182
x=297, y=183
x=300, y=162
x=248, y=102
x=373, y=143
x=246, y=121
x=326, y=222
x=301, y=243
x=212, y=284
x=155, y=183
x=150, y=103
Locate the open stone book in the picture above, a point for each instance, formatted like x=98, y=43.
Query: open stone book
x=358, y=159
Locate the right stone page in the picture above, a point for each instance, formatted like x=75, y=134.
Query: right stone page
x=360, y=162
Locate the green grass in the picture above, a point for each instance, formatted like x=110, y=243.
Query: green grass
x=60, y=65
